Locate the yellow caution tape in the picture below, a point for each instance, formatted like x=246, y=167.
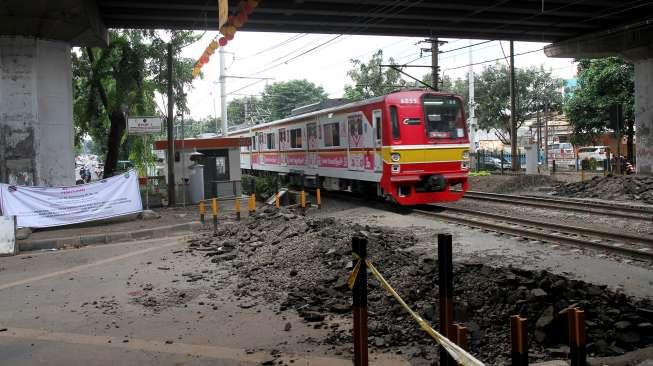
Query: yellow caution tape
x=459, y=354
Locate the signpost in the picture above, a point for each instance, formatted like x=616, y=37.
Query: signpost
x=144, y=126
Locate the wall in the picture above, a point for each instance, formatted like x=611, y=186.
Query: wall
x=36, y=139
x=644, y=115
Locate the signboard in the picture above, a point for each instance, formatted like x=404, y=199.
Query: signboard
x=7, y=235
x=143, y=125
x=39, y=207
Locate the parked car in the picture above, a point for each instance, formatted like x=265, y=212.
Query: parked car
x=561, y=151
x=598, y=153
x=492, y=163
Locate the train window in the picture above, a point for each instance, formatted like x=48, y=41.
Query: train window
x=296, y=138
x=378, y=128
x=394, y=120
x=253, y=143
x=331, y=134
x=443, y=117
x=311, y=131
x=270, y=141
x=283, y=144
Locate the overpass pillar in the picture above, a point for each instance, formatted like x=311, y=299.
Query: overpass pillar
x=36, y=117
x=644, y=115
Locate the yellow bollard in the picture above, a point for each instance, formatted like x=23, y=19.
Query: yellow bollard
x=237, y=204
x=277, y=202
x=319, y=198
x=214, y=211
x=302, y=198
x=252, y=199
x=582, y=175
x=202, y=211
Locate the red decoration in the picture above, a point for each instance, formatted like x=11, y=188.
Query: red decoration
x=223, y=41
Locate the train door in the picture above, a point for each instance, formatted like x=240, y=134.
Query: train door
x=283, y=148
x=356, y=142
x=377, y=145
x=312, y=146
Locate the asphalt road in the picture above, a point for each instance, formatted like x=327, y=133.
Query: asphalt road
x=78, y=307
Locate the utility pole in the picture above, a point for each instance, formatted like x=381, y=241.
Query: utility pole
x=223, y=91
x=472, y=112
x=513, y=111
x=435, y=52
x=171, y=137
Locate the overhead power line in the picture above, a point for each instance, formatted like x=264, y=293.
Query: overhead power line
x=493, y=60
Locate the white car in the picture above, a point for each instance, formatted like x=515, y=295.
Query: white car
x=598, y=153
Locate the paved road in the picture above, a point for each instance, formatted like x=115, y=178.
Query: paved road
x=78, y=307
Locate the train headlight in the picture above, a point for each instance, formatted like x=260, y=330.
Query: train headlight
x=396, y=168
x=395, y=157
x=466, y=155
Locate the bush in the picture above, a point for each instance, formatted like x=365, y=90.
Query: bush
x=263, y=187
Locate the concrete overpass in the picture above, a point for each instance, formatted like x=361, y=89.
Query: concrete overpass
x=36, y=36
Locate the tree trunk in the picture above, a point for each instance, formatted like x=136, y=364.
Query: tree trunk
x=629, y=144
x=118, y=125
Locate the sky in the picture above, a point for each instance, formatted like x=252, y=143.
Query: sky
x=324, y=59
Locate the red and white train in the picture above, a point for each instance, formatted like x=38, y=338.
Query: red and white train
x=410, y=146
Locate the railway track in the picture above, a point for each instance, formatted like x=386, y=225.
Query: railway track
x=594, y=208
x=631, y=245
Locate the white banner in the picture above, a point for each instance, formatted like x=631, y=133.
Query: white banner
x=38, y=207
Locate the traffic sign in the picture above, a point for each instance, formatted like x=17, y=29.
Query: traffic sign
x=144, y=125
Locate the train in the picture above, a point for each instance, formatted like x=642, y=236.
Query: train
x=409, y=146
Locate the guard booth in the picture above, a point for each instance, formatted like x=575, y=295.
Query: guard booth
x=205, y=167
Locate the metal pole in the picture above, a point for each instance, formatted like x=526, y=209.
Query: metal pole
x=519, y=354
x=472, y=112
x=546, y=135
x=359, y=308
x=513, y=110
x=539, y=134
x=445, y=268
x=223, y=91
x=171, y=138
x=435, y=78
x=183, y=160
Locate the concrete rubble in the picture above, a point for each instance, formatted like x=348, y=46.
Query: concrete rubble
x=618, y=188
x=301, y=264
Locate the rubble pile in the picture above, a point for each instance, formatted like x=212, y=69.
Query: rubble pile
x=301, y=264
x=521, y=182
x=619, y=188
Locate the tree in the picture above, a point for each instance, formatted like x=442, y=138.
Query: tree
x=111, y=83
x=601, y=83
x=535, y=88
x=282, y=97
x=371, y=80
x=247, y=110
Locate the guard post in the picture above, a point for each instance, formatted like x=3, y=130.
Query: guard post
x=252, y=203
x=519, y=352
x=445, y=271
x=277, y=200
x=202, y=211
x=359, y=307
x=577, y=341
x=302, y=199
x=319, y=198
x=214, y=211
x=237, y=208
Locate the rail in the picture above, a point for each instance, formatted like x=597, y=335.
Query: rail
x=620, y=210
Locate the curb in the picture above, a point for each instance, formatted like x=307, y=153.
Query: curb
x=96, y=239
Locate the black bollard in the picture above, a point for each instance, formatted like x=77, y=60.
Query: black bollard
x=359, y=308
x=519, y=353
x=445, y=264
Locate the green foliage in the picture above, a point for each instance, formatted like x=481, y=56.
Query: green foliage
x=588, y=164
x=282, y=97
x=263, y=186
x=601, y=83
x=247, y=110
x=535, y=88
x=371, y=80
x=123, y=79
x=140, y=153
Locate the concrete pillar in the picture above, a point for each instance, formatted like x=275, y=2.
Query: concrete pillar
x=644, y=115
x=36, y=129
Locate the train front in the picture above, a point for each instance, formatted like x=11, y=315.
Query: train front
x=425, y=148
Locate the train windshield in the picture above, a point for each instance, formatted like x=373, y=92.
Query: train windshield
x=444, y=117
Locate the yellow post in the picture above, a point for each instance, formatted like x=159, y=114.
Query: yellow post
x=277, y=202
x=302, y=198
x=202, y=211
x=582, y=175
x=253, y=200
x=237, y=204
x=319, y=198
x=214, y=210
